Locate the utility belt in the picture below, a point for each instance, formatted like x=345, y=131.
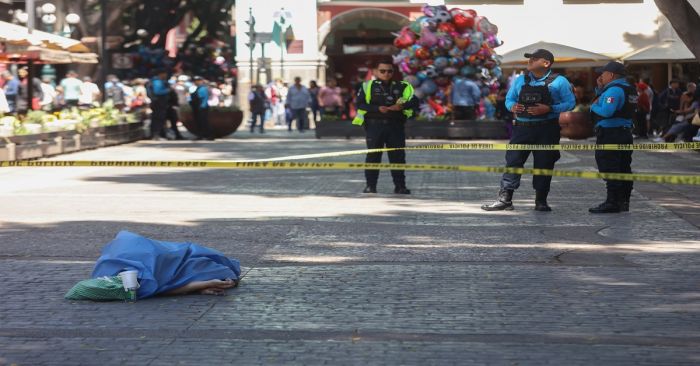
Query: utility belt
x=618, y=128
x=384, y=121
x=547, y=122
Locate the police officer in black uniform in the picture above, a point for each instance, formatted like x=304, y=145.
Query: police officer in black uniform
x=383, y=105
x=536, y=98
x=612, y=112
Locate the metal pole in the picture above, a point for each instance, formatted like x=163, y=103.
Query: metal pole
x=282, y=46
x=30, y=9
x=251, y=42
x=103, y=48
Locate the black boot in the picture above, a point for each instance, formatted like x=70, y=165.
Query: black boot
x=370, y=189
x=503, y=202
x=611, y=204
x=541, y=201
x=401, y=190
x=625, y=200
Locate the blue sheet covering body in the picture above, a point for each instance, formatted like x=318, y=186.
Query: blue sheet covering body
x=163, y=266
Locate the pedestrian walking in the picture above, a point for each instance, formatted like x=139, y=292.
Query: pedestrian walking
x=315, y=106
x=383, y=105
x=258, y=106
x=536, y=98
x=199, y=101
x=330, y=99
x=159, y=93
x=464, y=97
x=298, y=99
x=71, y=89
x=612, y=112
x=173, y=115
x=669, y=101
x=23, y=101
x=89, y=93
x=11, y=89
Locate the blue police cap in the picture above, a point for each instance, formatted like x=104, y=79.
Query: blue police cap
x=613, y=67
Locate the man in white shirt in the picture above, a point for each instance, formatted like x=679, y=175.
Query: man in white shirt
x=89, y=92
x=298, y=99
x=48, y=94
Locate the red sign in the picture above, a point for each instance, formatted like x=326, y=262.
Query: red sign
x=295, y=46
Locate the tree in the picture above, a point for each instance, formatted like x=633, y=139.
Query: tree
x=684, y=19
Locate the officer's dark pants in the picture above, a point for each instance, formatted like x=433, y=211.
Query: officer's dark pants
x=172, y=116
x=381, y=134
x=615, y=161
x=201, y=117
x=159, y=107
x=537, y=133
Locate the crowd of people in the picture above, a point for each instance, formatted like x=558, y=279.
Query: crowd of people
x=163, y=94
x=284, y=104
x=15, y=96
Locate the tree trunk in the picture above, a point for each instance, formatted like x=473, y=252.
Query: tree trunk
x=684, y=20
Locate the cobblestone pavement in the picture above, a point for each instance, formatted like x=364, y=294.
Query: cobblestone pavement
x=336, y=277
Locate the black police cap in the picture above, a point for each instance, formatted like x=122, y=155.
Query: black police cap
x=541, y=53
x=614, y=67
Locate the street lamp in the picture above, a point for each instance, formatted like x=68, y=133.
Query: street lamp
x=72, y=19
x=48, y=19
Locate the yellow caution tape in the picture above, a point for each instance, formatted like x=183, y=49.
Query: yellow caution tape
x=290, y=165
x=501, y=146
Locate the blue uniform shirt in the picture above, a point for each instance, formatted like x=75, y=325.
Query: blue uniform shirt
x=203, y=94
x=465, y=93
x=563, y=98
x=160, y=87
x=608, y=103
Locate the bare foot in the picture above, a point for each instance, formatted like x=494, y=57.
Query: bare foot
x=211, y=287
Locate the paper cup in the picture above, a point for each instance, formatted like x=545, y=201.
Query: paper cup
x=130, y=279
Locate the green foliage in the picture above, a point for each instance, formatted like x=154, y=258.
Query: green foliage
x=73, y=119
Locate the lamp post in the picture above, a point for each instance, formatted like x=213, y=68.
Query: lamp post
x=251, y=41
x=48, y=19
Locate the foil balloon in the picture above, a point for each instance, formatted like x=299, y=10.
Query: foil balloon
x=403, y=66
x=405, y=38
x=428, y=87
x=427, y=38
x=412, y=79
x=442, y=81
x=423, y=53
x=450, y=71
x=442, y=15
x=456, y=52
x=445, y=42
x=431, y=72
x=446, y=27
x=467, y=70
x=441, y=63
x=462, y=42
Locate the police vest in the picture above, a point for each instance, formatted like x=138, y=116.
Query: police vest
x=531, y=95
x=628, y=110
x=367, y=88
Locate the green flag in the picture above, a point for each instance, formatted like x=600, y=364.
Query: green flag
x=277, y=31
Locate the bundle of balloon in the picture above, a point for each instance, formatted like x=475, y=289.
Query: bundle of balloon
x=442, y=45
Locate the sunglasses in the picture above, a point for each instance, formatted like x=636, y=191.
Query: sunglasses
x=385, y=71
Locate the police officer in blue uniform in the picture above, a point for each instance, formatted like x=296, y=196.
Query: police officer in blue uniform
x=612, y=113
x=383, y=105
x=536, y=99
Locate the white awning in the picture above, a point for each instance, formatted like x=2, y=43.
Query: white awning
x=666, y=51
x=566, y=55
